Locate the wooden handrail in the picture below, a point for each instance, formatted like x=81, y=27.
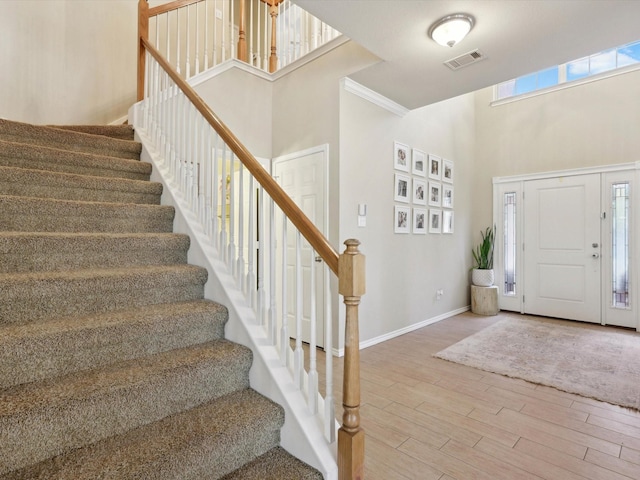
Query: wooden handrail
x=167, y=7
x=317, y=241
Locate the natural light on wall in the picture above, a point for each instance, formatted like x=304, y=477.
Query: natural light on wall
x=601, y=62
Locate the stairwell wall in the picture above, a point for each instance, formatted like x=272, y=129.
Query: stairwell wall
x=65, y=61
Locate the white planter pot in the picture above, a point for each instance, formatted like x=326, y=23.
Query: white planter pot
x=482, y=278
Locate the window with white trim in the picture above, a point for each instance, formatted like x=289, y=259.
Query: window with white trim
x=601, y=62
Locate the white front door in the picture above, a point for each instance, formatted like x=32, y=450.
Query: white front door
x=303, y=177
x=562, y=247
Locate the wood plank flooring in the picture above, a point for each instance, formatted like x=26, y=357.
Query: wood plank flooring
x=430, y=419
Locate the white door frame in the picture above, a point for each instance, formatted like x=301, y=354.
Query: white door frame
x=502, y=185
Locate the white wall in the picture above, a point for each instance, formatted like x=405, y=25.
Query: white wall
x=67, y=61
x=404, y=271
x=585, y=125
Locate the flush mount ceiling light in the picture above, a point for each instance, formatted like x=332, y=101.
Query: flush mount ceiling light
x=449, y=30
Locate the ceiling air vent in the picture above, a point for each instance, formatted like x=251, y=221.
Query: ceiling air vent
x=464, y=60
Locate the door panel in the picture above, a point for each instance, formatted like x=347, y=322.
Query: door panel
x=561, y=263
x=302, y=176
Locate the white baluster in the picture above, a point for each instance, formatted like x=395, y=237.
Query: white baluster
x=224, y=202
x=168, y=38
x=251, y=279
x=261, y=247
x=178, y=40
x=273, y=327
x=329, y=406
x=232, y=217
x=284, y=328
x=241, y=205
x=313, y=372
x=223, y=53
x=298, y=354
x=187, y=67
x=206, y=35
x=265, y=43
x=197, y=40
x=215, y=182
x=251, y=33
x=208, y=178
x=215, y=34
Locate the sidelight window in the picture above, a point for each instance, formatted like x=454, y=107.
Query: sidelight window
x=509, y=239
x=620, y=245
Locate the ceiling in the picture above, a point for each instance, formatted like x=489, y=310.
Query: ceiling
x=516, y=37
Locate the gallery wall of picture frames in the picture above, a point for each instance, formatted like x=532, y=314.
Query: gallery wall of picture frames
x=423, y=192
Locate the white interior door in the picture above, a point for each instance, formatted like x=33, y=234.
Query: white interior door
x=562, y=247
x=303, y=177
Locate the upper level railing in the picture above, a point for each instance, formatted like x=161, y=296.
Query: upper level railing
x=255, y=228
x=195, y=35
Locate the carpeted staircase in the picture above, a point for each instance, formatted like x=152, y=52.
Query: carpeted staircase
x=112, y=364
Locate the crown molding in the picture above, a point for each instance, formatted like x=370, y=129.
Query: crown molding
x=373, y=97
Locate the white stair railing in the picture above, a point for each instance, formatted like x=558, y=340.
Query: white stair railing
x=196, y=35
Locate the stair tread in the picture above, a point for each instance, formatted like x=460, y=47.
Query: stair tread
x=74, y=207
x=276, y=464
x=41, y=177
x=67, y=139
x=39, y=350
x=48, y=418
x=15, y=154
x=123, y=132
x=204, y=442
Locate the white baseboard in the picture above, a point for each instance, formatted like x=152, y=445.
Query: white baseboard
x=388, y=336
x=120, y=120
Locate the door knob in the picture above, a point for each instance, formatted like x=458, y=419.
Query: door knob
x=596, y=255
x=318, y=259
x=594, y=245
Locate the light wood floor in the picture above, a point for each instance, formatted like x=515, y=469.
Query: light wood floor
x=430, y=419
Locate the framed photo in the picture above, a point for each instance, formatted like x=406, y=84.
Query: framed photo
x=402, y=184
x=401, y=157
x=447, y=221
x=435, y=194
x=419, y=192
x=419, y=162
x=420, y=221
x=435, y=220
x=435, y=167
x=447, y=196
x=447, y=171
x=401, y=219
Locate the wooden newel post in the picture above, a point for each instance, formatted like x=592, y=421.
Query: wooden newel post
x=273, y=58
x=350, y=436
x=242, y=40
x=143, y=32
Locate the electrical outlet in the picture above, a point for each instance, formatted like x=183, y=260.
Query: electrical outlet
x=218, y=14
x=439, y=294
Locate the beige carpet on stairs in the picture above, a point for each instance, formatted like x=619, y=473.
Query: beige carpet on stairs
x=592, y=361
x=113, y=365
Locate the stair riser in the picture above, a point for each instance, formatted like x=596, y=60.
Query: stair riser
x=34, y=300
x=37, y=355
x=34, y=257
x=44, y=432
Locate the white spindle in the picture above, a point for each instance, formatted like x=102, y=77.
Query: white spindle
x=197, y=40
x=206, y=35
x=224, y=202
x=187, y=66
x=232, y=40
x=215, y=181
x=232, y=215
x=284, y=328
x=240, y=267
x=251, y=278
x=313, y=372
x=261, y=245
x=329, y=406
x=178, y=40
x=273, y=321
x=298, y=354
x=251, y=35
x=223, y=55
x=265, y=43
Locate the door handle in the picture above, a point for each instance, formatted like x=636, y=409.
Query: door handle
x=318, y=259
x=596, y=255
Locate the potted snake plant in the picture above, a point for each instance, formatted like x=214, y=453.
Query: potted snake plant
x=482, y=271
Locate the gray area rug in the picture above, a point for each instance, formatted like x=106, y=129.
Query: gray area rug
x=595, y=362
